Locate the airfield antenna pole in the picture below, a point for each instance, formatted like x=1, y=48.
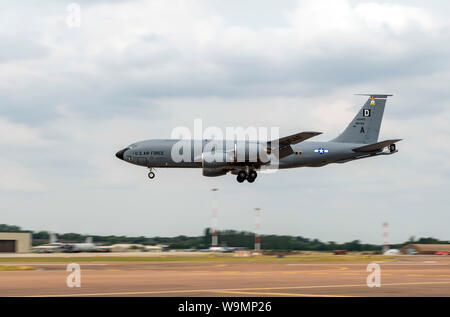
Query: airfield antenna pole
x=214, y=241
x=257, y=229
x=385, y=236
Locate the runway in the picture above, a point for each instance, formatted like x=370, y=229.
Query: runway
x=411, y=276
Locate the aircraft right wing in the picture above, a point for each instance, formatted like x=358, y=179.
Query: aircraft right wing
x=375, y=146
x=284, y=143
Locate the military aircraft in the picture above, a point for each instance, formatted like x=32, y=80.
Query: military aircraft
x=243, y=158
x=55, y=246
x=87, y=246
x=52, y=246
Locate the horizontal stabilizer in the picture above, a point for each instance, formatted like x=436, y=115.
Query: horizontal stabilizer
x=375, y=146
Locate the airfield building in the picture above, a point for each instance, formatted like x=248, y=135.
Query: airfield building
x=425, y=248
x=15, y=242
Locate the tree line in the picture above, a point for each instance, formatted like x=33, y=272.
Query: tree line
x=227, y=238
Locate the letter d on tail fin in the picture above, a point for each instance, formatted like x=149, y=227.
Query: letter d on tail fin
x=365, y=127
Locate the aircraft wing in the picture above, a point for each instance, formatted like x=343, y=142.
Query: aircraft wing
x=375, y=146
x=297, y=138
x=284, y=143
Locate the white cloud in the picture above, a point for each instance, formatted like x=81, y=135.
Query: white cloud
x=17, y=178
x=17, y=134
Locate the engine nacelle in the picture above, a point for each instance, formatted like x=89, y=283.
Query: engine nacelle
x=252, y=152
x=217, y=160
x=213, y=172
x=242, y=152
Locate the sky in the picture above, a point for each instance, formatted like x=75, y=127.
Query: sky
x=71, y=97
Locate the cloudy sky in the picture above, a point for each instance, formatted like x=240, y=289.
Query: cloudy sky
x=70, y=97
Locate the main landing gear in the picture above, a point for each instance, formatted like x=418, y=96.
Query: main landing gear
x=243, y=175
x=151, y=174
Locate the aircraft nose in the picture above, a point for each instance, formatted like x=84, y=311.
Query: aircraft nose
x=120, y=153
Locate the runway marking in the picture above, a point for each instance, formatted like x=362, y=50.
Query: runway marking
x=282, y=294
x=415, y=275
x=50, y=264
x=333, y=270
x=229, y=289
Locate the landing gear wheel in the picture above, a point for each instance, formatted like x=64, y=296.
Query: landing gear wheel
x=251, y=176
x=392, y=148
x=151, y=175
x=242, y=176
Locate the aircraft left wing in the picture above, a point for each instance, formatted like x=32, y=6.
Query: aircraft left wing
x=375, y=146
x=284, y=143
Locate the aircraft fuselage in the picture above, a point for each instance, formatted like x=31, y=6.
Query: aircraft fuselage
x=158, y=153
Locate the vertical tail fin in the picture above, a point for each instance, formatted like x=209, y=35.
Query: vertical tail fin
x=53, y=238
x=365, y=127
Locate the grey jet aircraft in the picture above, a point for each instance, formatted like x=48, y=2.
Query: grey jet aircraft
x=359, y=140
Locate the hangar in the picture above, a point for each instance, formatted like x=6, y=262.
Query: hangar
x=12, y=242
x=425, y=248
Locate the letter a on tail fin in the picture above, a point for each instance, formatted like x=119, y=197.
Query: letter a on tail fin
x=365, y=127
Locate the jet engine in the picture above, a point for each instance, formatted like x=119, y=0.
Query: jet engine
x=217, y=159
x=242, y=153
x=213, y=172
x=251, y=152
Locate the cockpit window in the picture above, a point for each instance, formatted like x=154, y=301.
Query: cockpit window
x=132, y=146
